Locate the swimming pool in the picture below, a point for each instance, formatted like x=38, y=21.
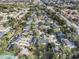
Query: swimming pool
x=7, y=57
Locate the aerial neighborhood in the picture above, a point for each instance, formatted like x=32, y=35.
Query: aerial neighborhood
x=39, y=29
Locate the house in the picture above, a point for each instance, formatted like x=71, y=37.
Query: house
x=3, y=18
x=3, y=30
x=69, y=44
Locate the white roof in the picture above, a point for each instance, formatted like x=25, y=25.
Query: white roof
x=3, y=29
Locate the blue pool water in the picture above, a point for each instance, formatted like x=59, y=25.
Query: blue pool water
x=7, y=57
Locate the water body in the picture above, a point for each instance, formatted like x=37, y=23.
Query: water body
x=7, y=57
